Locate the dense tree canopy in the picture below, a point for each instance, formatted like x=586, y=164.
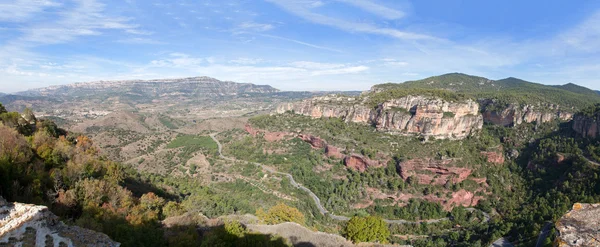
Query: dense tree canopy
x=367, y=229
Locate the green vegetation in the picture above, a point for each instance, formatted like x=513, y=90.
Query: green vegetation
x=192, y=144
x=280, y=213
x=167, y=122
x=590, y=111
x=40, y=164
x=448, y=114
x=456, y=86
x=394, y=93
x=367, y=229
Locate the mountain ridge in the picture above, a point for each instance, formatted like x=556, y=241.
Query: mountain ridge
x=508, y=90
x=153, y=87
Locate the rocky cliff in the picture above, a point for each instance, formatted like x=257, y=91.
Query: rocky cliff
x=579, y=227
x=514, y=114
x=426, y=116
x=31, y=225
x=587, y=126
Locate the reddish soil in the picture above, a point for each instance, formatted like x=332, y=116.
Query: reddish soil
x=268, y=136
x=360, y=163
x=462, y=197
x=428, y=171
x=494, y=157
x=314, y=141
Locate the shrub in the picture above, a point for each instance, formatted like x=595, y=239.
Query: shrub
x=367, y=229
x=281, y=213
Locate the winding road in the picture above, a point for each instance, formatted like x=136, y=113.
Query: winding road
x=312, y=194
x=591, y=161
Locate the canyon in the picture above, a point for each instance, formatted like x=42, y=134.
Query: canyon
x=423, y=115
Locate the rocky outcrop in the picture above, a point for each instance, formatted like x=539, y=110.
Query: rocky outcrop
x=427, y=116
x=462, y=198
x=314, y=141
x=360, y=163
x=494, y=157
x=579, y=227
x=514, y=114
x=428, y=171
x=268, y=136
x=31, y=225
x=353, y=161
x=333, y=152
x=587, y=126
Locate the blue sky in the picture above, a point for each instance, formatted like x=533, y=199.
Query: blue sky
x=297, y=44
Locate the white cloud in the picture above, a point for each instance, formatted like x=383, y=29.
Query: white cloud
x=299, y=8
x=380, y=10
x=340, y=71
x=21, y=10
x=302, y=43
x=85, y=18
x=254, y=27
x=246, y=61
x=141, y=41
x=178, y=60
x=315, y=65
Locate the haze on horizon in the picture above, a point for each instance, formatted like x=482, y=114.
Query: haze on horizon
x=297, y=44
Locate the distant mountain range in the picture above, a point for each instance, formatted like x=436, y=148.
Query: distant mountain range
x=193, y=86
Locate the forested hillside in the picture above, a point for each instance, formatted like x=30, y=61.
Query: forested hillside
x=509, y=90
x=43, y=164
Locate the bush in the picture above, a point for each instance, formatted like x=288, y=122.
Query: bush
x=281, y=213
x=367, y=229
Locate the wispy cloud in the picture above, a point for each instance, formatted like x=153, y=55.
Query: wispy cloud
x=254, y=27
x=21, y=10
x=85, y=18
x=302, y=43
x=380, y=10
x=178, y=60
x=246, y=61
x=141, y=41
x=301, y=8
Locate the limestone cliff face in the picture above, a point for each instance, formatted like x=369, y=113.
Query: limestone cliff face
x=579, y=227
x=514, y=114
x=587, y=126
x=31, y=225
x=349, y=109
x=408, y=115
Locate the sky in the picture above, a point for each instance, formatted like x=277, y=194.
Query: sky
x=297, y=44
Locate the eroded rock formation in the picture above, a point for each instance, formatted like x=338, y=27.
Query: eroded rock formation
x=429, y=171
x=268, y=136
x=31, y=225
x=494, y=157
x=579, y=227
x=360, y=163
x=513, y=114
x=353, y=161
x=587, y=126
x=427, y=116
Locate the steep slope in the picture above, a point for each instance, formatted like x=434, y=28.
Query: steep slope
x=423, y=115
x=579, y=227
x=587, y=122
x=505, y=102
